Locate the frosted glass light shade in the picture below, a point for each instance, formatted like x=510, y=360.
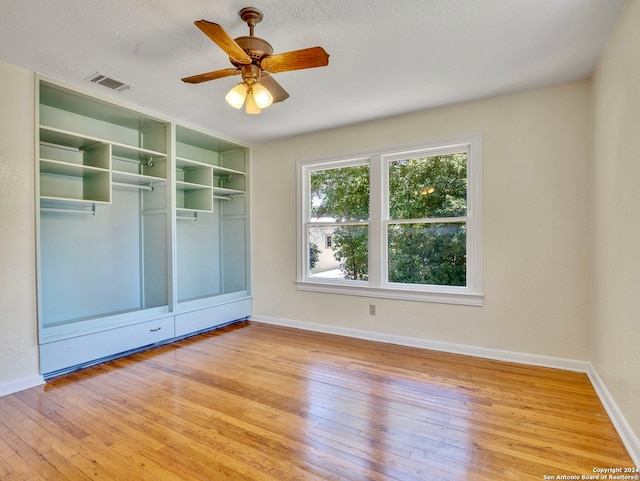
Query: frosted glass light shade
x=237, y=95
x=251, y=107
x=261, y=95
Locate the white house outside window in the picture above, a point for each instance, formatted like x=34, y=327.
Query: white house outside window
x=405, y=222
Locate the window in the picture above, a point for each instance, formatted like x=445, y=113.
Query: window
x=403, y=222
x=339, y=204
x=328, y=241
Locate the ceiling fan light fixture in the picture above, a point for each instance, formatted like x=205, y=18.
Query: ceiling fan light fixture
x=237, y=95
x=250, y=106
x=253, y=58
x=261, y=95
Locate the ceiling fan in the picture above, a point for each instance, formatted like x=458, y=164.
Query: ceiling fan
x=253, y=58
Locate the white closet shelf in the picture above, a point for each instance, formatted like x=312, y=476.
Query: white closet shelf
x=136, y=179
x=81, y=142
x=69, y=201
x=183, y=163
x=57, y=167
x=219, y=170
x=190, y=211
x=182, y=186
x=136, y=153
x=225, y=191
x=67, y=139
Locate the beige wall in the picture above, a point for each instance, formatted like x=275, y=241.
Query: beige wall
x=18, y=327
x=616, y=212
x=536, y=160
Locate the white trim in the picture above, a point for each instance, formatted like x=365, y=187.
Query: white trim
x=403, y=292
x=629, y=438
x=337, y=224
x=303, y=189
x=21, y=385
x=474, y=214
x=483, y=352
x=431, y=220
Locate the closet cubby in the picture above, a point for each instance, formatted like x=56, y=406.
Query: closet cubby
x=74, y=168
x=193, y=185
x=142, y=229
x=139, y=166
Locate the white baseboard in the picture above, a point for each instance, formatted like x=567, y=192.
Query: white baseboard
x=20, y=385
x=496, y=354
x=629, y=438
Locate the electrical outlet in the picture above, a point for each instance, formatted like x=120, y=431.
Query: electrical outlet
x=372, y=309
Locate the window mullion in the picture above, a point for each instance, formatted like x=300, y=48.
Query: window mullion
x=377, y=213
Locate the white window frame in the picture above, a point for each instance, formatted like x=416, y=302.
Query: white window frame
x=377, y=285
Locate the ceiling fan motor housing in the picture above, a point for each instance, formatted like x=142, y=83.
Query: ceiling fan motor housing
x=255, y=47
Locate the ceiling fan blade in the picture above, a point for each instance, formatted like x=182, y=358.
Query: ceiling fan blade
x=296, y=60
x=216, y=74
x=275, y=89
x=218, y=34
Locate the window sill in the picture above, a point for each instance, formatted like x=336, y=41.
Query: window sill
x=463, y=298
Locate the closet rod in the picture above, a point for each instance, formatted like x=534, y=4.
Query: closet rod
x=222, y=197
x=74, y=211
x=184, y=217
x=133, y=186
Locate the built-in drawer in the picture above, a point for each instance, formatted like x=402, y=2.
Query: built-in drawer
x=76, y=351
x=210, y=317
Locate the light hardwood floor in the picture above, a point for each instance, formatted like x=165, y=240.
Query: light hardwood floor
x=258, y=402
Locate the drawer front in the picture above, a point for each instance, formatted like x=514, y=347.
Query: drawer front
x=75, y=351
x=208, y=318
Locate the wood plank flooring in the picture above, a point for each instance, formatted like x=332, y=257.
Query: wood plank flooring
x=264, y=403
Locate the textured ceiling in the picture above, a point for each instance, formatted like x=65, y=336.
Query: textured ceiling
x=387, y=57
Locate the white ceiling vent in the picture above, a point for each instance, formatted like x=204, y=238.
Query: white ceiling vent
x=110, y=83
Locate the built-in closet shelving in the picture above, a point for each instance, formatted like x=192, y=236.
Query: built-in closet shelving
x=211, y=203
x=142, y=228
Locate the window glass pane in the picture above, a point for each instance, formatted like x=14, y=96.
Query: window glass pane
x=339, y=195
x=346, y=258
x=428, y=187
x=432, y=254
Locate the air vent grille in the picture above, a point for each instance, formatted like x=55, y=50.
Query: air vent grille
x=108, y=82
